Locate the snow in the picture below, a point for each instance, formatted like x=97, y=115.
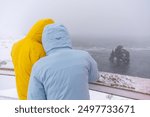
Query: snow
x=95, y=95
x=6, y=72
x=6, y=43
x=7, y=87
x=5, y=47
x=125, y=82
x=7, y=82
x=8, y=94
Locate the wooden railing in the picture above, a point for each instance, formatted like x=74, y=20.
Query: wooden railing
x=119, y=91
x=7, y=70
x=103, y=88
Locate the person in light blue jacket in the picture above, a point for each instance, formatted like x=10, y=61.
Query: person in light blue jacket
x=64, y=73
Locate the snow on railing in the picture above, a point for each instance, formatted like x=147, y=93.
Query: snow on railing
x=7, y=71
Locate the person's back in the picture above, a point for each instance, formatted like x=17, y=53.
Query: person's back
x=25, y=53
x=64, y=73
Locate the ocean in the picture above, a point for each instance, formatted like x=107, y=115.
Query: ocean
x=100, y=50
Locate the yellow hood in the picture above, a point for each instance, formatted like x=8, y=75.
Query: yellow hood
x=36, y=31
x=25, y=53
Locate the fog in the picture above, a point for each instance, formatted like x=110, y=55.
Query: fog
x=84, y=18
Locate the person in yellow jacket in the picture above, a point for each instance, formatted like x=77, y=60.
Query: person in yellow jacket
x=25, y=53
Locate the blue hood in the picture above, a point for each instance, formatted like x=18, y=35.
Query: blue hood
x=55, y=36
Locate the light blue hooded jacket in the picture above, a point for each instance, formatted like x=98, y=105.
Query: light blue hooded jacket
x=64, y=73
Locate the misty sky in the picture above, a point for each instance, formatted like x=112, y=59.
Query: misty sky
x=94, y=18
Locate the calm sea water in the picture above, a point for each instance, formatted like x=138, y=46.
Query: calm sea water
x=139, y=56
x=139, y=63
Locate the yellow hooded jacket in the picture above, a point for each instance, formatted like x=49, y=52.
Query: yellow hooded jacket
x=25, y=53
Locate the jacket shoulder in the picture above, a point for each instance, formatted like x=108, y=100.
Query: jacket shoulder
x=16, y=46
x=18, y=43
x=83, y=53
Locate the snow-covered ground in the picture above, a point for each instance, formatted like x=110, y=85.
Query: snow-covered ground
x=7, y=87
x=5, y=52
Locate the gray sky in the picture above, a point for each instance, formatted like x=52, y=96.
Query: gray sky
x=94, y=18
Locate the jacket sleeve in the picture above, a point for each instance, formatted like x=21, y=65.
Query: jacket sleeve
x=36, y=89
x=93, y=70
